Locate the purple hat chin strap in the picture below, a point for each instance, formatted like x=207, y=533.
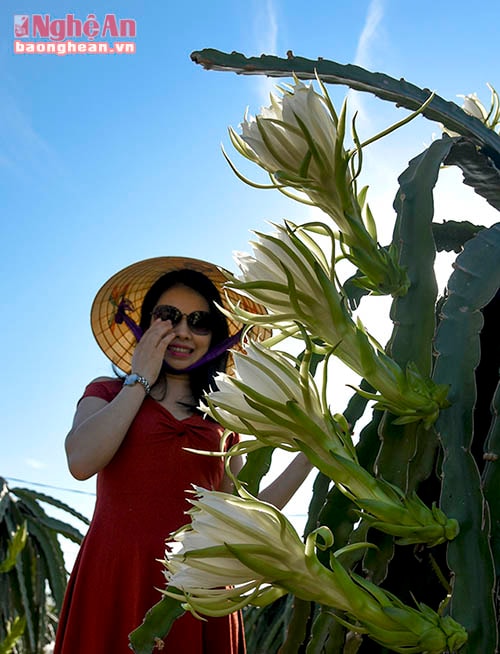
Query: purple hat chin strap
x=212, y=354
x=122, y=317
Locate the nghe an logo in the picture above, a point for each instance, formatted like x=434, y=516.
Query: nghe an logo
x=43, y=26
x=37, y=34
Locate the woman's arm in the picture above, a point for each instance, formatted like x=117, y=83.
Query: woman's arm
x=98, y=430
x=282, y=489
x=99, y=427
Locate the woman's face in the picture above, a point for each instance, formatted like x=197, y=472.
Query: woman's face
x=189, y=345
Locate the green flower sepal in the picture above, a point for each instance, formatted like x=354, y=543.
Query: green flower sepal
x=417, y=386
x=434, y=528
x=382, y=275
x=432, y=633
x=383, y=505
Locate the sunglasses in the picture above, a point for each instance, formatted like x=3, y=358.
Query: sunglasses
x=199, y=322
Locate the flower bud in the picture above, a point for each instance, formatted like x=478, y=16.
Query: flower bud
x=250, y=546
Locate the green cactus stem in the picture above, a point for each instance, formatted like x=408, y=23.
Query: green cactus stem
x=474, y=282
x=400, y=92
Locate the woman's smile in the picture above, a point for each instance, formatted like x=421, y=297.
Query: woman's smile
x=177, y=350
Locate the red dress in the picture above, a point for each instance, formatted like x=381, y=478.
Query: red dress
x=141, y=499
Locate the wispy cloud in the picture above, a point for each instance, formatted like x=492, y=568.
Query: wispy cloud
x=35, y=464
x=369, y=34
x=23, y=152
x=266, y=34
x=364, y=56
x=267, y=27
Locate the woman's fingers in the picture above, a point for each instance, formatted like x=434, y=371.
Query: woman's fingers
x=149, y=352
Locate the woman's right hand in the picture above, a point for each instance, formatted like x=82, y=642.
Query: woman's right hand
x=149, y=352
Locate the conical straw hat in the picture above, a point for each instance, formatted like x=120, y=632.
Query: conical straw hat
x=132, y=283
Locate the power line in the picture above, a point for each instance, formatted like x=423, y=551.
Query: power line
x=59, y=488
x=74, y=490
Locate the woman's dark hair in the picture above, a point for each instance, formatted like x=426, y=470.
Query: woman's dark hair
x=202, y=378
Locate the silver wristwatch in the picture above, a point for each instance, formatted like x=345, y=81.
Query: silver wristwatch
x=134, y=378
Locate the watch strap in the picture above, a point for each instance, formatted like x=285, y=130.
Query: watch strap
x=134, y=378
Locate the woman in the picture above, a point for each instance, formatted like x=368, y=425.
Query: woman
x=133, y=432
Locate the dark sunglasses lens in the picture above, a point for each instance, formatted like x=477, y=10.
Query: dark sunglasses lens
x=200, y=322
x=167, y=312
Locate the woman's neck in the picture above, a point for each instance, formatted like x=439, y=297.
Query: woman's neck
x=177, y=396
x=179, y=389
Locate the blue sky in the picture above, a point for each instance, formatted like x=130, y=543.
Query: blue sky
x=109, y=159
